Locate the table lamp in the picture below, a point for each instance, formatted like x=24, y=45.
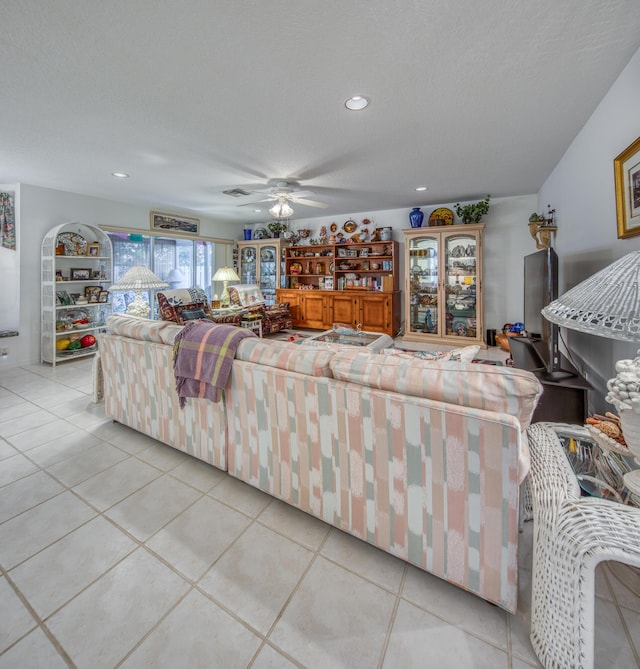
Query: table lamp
x=607, y=304
x=139, y=278
x=225, y=274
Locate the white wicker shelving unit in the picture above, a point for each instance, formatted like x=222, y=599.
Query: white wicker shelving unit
x=53, y=313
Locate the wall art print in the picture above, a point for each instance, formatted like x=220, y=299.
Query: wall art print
x=8, y=220
x=626, y=169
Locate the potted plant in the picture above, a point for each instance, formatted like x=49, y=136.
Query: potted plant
x=276, y=227
x=472, y=213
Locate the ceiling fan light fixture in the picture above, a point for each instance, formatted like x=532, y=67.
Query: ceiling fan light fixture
x=281, y=209
x=356, y=102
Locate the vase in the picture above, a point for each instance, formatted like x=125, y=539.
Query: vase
x=415, y=217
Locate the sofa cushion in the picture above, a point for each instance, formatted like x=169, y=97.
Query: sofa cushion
x=464, y=354
x=172, y=303
x=136, y=328
x=284, y=355
x=501, y=389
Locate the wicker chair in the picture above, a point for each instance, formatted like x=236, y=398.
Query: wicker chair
x=572, y=534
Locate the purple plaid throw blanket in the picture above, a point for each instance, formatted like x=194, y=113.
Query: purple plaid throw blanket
x=202, y=357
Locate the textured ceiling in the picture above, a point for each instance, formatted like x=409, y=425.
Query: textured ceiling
x=468, y=97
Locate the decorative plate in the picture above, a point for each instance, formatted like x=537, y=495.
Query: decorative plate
x=260, y=233
x=74, y=244
x=441, y=216
x=266, y=255
x=248, y=255
x=295, y=268
x=333, y=227
x=350, y=226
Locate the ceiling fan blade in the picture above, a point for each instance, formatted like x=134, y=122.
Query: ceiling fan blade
x=309, y=203
x=252, y=202
x=300, y=193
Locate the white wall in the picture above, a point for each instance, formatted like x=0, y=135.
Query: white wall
x=581, y=188
x=506, y=241
x=41, y=209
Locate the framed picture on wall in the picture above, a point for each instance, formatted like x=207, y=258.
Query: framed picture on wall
x=174, y=223
x=626, y=170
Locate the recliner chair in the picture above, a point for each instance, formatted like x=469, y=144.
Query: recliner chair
x=275, y=317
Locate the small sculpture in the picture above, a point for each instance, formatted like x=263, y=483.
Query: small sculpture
x=541, y=228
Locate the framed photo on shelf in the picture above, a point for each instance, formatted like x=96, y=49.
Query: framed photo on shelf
x=63, y=298
x=80, y=274
x=174, y=223
x=94, y=249
x=626, y=172
x=104, y=296
x=92, y=293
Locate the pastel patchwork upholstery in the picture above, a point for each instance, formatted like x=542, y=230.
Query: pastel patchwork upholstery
x=140, y=392
x=422, y=459
x=275, y=317
x=287, y=356
x=431, y=483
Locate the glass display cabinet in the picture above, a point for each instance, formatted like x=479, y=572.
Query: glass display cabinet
x=260, y=264
x=443, y=284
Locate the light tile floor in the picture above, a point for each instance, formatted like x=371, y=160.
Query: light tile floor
x=116, y=550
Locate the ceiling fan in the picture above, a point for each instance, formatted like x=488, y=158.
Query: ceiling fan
x=283, y=194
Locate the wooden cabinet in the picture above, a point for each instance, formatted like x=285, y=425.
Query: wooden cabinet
x=443, y=284
x=344, y=283
x=375, y=312
x=76, y=264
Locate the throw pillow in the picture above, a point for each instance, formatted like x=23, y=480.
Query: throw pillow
x=191, y=314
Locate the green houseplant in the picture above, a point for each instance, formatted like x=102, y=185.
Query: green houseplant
x=472, y=213
x=276, y=227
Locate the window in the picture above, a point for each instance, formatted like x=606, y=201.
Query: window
x=182, y=263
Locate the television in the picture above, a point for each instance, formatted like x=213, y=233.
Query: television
x=541, y=288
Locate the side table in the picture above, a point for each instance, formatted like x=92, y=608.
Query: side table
x=572, y=534
x=253, y=324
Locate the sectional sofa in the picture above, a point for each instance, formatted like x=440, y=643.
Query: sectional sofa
x=422, y=459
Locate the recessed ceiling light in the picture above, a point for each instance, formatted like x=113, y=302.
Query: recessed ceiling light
x=421, y=188
x=356, y=103
x=257, y=211
x=119, y=175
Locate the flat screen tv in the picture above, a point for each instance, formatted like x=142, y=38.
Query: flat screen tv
x=541, y=288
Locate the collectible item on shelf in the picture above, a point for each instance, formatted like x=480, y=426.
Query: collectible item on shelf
x=441, y=216
x=350, y=226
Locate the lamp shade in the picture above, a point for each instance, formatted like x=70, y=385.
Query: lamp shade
x=175, y=276
x=139, y=278
x=606, y=304
x=282, y=209
x=226, y=274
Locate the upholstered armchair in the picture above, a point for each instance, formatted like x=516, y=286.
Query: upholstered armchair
x=184, y=304
x=275, y=317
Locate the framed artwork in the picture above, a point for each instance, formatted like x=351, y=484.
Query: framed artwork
x=63, y=298
x=626, y=171
x=8, y=220
x=94, y=249
x=92, y=293
x=104, y=296
x=77, y=274
x=175, y=223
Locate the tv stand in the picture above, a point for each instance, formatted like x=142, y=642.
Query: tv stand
x=564, y=397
